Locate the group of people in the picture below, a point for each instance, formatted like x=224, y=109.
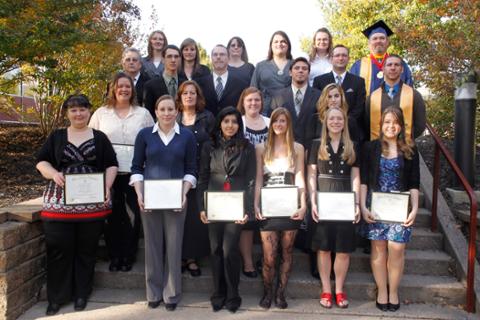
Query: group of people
x=304, y=122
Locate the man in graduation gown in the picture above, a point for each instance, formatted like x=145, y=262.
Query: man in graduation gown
x=370, y=67
x=395, y=92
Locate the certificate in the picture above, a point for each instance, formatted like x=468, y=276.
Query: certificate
x=124, y=154
x=336, y=206
x=279, y=201
x=84, y=188
x=224, y=205
x=162, y=194
x=390, y=207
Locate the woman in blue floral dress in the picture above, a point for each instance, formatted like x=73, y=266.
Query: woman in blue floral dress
x=389, y=164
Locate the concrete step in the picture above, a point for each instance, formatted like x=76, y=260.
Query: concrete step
x=130, y=304
x=417, y=287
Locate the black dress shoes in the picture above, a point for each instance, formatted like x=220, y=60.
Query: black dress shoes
x=80, y=304
x=393, y=306
x=126, y=264
x=217, y=306
x=115, y=265
x=382, y=306
x=170, y=306
x=233, y=308
x=250, y=274
x=52, y=309
x=154, y=304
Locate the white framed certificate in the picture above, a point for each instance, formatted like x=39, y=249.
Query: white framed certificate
x=124, y=154
x=162, y=194
x=336, y=206
x=84, y=188
x=224, y=205
x=390, y=206
x=279, y=201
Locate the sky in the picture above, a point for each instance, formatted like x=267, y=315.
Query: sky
x=212, y=22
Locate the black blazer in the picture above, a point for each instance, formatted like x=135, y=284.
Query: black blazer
x=202, y=71
x=284, y=98
x=370, y=167
x=354, y=88
x=144, y=77
x=219, y=161
x=154, y=89
x=230, y=95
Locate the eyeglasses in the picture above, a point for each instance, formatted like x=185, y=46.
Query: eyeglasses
x=131, y=60
x=236, y=45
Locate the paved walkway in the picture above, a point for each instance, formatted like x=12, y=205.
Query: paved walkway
x=108, y=304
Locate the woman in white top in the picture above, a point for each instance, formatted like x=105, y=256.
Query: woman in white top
x=121, y=119
x=255, y=129
x=320, y=54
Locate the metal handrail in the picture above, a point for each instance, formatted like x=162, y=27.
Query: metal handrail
x=439, y=146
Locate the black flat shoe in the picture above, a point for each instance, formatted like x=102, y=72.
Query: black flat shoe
x=382, y=306
x=233, y=308
x=393, y=307
x=250, y=274
x=126, y=264
x=154, y=304
x=80, y=304
x=217, y=306
x=280, y=301
x=170, y=306
x=115, y=265
x=52, y=309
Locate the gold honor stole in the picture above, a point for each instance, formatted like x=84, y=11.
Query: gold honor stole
x=366, y=72
x=406, y=104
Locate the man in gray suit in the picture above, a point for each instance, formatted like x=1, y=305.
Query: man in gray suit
x=299, y=98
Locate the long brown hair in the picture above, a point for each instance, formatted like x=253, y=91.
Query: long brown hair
x=240, y=42
x=111, y=98
x=199, y=105
x=313, y=49
x=405, y=146
x=322, y=103
x=245, y=93
x=185, y=43
x=348, y=154
x=284, y=36
x=149, y=46
x=270, y=143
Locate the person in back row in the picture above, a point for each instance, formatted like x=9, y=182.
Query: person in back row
x=221, y=88
x=132, y=65
x=370, y=68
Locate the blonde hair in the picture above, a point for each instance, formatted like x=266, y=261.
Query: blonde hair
x=270, y=142
x=348, y=154
x=405, y=146
x=322, y=103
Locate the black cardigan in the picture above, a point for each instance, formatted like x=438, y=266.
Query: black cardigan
x=216, y=163
x=370, y=167
x=52, y=150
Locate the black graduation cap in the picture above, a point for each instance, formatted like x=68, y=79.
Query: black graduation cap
x=378, y=27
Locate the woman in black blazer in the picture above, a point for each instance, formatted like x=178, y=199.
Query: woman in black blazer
x=227, y=163
x=190, y=57
x=389, y=164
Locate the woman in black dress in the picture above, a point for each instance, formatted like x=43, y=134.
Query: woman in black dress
x=227, y=163
x=191, y=67
x=72, y=231
x=280, y=161
x=193, y=116
x=333, y=166
x=238, y=59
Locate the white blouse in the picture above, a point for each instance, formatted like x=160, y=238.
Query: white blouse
x=118, y=130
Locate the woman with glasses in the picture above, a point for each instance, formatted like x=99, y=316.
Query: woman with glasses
x=238, y=59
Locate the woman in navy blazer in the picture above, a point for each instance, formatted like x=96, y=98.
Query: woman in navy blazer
x=164, y=151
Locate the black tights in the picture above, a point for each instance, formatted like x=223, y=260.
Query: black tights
x=270, y=243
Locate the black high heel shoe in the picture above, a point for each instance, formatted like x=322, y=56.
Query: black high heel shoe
x=382, y=306
x=393, y=306
x=52, y=309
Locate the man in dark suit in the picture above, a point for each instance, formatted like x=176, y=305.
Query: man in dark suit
x=132, y=65
x=168, y=83
x=299, y=98
x=353, y=86
x=221, y=88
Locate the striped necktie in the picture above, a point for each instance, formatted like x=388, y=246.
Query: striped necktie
x=219, y=88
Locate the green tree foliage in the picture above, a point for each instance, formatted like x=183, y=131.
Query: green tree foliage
x=438, y=38
x=64, y=47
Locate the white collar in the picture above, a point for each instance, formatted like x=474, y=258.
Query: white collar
x=175, y=128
